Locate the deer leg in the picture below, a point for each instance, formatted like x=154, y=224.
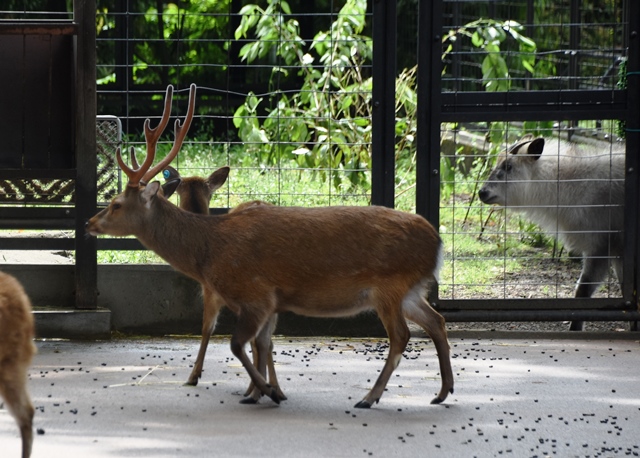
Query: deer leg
x=594, y=270
x=254, y=354
x=212, y=305
x=418, y=310
x=398, y=332
x=246, y=329
x=273, y=379
x=14, y=391
x=266, y=348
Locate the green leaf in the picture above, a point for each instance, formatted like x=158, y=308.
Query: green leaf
x=476, y=40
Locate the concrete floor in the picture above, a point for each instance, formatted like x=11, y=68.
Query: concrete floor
x=513, y=397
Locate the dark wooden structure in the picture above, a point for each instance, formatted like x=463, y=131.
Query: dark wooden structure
x=47, y=123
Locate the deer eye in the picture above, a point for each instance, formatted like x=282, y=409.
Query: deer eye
x=115, y=206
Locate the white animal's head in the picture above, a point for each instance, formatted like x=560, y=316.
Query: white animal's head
x=511, y=178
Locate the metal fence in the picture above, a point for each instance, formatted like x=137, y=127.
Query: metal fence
x=277, y=115
x=500, y=265
x=401, y=103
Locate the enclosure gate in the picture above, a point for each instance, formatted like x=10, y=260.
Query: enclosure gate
x=437, y=107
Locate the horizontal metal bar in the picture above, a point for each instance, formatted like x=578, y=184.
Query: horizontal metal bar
x=533, y=105
x=38, y=28
x=67, y=244
x=61, y=174
x=38, y=224
x=569, y=303
x=540, y=315
x=58, y=212
x=32, y=243
x=37, y=217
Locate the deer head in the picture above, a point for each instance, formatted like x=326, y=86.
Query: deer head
x=195, y=192
x=118, y=218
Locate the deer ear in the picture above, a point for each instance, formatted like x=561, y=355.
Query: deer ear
x=170, y=187
x=149, y=193
x=217, y=178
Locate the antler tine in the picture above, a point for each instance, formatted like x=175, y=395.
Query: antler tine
x=181, y=130
x=128, y=171
x=134, y=159
x=152, y=136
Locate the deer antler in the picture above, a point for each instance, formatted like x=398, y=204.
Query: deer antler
x=143, y=173
x=180, y=130
x=152, y=136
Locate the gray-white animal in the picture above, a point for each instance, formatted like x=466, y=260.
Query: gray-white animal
x=578, y=196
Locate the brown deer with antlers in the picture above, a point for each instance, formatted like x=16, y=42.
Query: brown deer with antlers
x=327, y=261
x=16, y=351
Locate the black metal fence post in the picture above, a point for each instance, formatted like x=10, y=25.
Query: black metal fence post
x=86, y=180
x=428, y=114
x=632, y=183
x=383, y=99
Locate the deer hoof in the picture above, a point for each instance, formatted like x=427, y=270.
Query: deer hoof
x=248, y=400
x=363, y=405
x=274, y=396
x=280, y=394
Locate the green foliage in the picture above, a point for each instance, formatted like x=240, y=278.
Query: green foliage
x=489, y=35
x=171, y=46
x=326, y=124
x=621, y=126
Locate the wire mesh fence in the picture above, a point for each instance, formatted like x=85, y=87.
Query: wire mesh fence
x=283, y=95
x=532, y=244
x=285, y=99
x=521, y=230
x=525, y=45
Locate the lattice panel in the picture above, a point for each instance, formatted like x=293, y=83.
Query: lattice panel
x=37, y=191
x=108, y=137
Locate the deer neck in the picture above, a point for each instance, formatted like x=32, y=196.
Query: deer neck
x=183, y=239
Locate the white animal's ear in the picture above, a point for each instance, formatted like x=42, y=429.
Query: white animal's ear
x=535, y=148
x=149, y=193
x=517, y=146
